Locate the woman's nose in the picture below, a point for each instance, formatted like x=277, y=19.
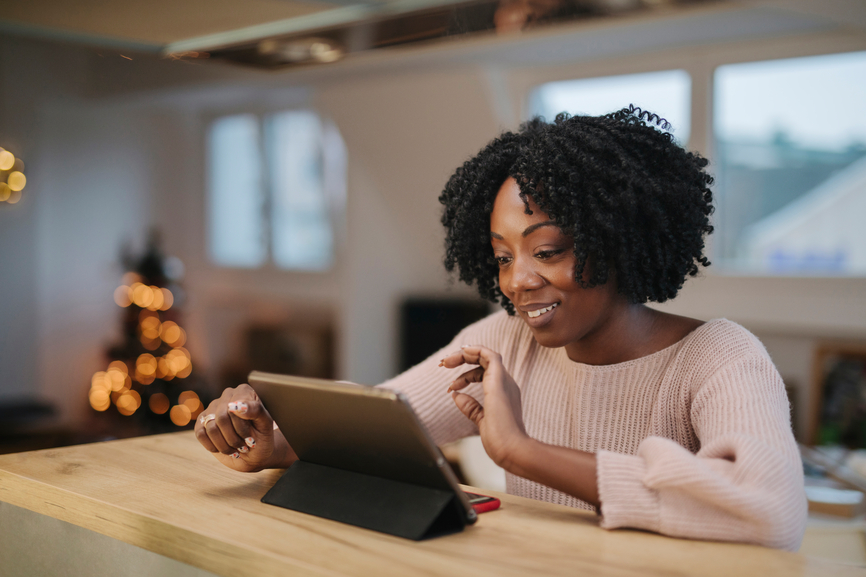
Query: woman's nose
x=523, y=276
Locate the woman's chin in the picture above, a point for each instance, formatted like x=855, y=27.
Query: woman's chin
x=546, y=338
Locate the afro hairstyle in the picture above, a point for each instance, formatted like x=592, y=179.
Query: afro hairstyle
x=636, y=203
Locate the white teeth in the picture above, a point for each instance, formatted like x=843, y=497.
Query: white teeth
x=539, y=312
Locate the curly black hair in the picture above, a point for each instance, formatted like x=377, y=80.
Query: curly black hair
x=629, y=195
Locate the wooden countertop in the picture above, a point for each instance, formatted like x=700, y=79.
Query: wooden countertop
x=168, y=495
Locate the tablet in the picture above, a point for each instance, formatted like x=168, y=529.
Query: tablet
x=360, y=436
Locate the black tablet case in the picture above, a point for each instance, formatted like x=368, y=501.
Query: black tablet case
x=384, y=505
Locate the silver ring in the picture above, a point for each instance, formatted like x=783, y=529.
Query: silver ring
x=205, y=419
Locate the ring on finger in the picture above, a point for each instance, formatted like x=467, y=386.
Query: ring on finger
x=205, y=419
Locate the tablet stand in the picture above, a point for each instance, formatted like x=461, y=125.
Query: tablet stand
x=384, y=505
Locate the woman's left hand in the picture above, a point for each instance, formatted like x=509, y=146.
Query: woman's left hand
x=500, y=419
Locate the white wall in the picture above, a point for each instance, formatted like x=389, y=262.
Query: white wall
x=119, y=145
x=95, y=190
x=28, y=71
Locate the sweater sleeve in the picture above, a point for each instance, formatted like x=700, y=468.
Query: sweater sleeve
x=745, y=484
x=426, y=384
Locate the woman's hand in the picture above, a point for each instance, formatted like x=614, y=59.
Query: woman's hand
x=500, y=420
x=240, y=432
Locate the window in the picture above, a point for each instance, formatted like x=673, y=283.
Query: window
x=665, y=93
x=276, y=183
x=790, y=162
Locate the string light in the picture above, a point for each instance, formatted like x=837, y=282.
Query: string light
x=16, y=181
x=7, y=159
x=180, y=415
x=158, y=403
x=119, y=384
x=12, y=178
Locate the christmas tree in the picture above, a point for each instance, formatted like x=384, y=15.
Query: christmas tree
x=150, y=375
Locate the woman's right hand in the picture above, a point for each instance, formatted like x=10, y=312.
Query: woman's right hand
x=241, y=434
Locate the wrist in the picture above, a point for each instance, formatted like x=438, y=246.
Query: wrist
x=283, y=455
x=518, y=454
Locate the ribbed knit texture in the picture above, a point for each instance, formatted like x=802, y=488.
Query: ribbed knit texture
x=691, y=441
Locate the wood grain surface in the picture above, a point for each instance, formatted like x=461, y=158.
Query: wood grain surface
x=168, y=495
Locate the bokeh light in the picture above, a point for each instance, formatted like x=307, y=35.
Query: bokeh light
x=123, y=296
x=16, y=181
x=150, y=327
x=100, y=382
x=5, y=192
x=158, y=298
x=178, y=361
x=189, y=398
x=180, y=415
x=172, y=334
x=14, y=197
x=142, y=295
x=117, y=379
x=167, y=298
x=7, y=159
x=99, y=399
x=130, y=278
x=128, y=402
x=145, y=368
x=146, y=314
x=159, y=403
x=120, y=366
x=146, y=364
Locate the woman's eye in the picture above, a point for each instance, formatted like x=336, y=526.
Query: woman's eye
x=502, y=260
x=546, y=254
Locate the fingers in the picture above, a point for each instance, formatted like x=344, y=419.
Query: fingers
x=201, y=433
x=469, y=407
x=231, y=424
x=472, y=376
x=472, y=355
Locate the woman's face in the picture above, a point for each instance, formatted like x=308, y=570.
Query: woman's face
x=536, y=273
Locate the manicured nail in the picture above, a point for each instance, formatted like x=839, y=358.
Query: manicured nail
x=239, y=407
x=236, y=455
x=250, y=442
x=243, y=449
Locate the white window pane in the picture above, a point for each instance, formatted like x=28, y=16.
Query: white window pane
x=666, y=93
x=236, y=194
x=301, y=230
x=791, y=165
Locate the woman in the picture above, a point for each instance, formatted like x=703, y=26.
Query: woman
x=585, y=396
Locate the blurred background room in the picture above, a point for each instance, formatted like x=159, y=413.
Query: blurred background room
x=190, y=190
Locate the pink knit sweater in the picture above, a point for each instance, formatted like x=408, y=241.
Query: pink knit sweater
x=692, y=441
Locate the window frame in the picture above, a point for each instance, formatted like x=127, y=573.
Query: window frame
x=336, y=207
x=700, y=62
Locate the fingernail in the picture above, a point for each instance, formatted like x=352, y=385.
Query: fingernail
x=236, y=455
x=238, y=407
x=243, y=450
x=250, y=442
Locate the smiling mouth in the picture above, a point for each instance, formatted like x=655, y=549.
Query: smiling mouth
x=539, y=312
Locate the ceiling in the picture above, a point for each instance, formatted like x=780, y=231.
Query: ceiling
x=177, y=25
x=237, y=30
